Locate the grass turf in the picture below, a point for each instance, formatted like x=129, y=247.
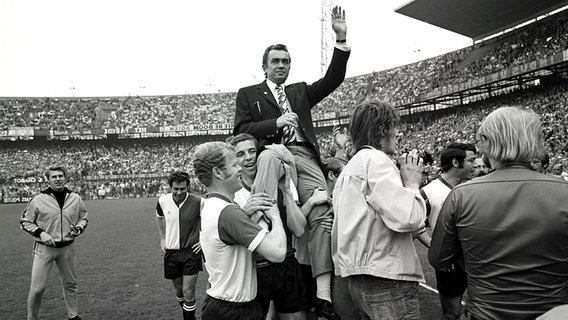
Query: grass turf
x=120, y=268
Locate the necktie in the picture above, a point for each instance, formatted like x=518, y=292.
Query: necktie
x=288, y=134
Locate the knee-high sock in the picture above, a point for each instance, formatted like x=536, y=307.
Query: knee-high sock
x=323, y=283
x=180, y=300
x=189, y=310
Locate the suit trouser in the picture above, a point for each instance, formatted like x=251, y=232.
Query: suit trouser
x=310, y=177
x=43, y=258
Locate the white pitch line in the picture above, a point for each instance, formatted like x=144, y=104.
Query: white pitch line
x=425, y=286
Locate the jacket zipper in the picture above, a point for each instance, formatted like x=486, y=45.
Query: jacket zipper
x=61, y=221
x=60, y=215
x=61, y=209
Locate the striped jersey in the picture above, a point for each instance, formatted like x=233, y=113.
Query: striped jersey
x=437, y=192
x=228, y=238
x=182, y=223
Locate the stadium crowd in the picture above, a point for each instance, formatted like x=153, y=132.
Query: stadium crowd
x=128, y=162
x=540, y=39
x=96, y=170
x=117, y=112
x=141, y=168
x=398, y=85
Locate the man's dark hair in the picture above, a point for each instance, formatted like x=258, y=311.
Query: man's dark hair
x=273, y=47
x=178, y=176
x=456, y=151
x=55, y=168
x=240, y=138
x=370, y=122
x=334, y=165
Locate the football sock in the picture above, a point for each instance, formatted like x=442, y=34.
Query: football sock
x=180, y=300
x=323, y=283
x=189, y=310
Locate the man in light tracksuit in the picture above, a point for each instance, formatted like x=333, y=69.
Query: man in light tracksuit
x=54, y=218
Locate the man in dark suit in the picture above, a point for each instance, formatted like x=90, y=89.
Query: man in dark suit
x=275, y=112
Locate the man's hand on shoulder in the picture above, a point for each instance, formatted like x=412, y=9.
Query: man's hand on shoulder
x=327, y=224
x=320, y=196
x=258, y=202
x=272, y=213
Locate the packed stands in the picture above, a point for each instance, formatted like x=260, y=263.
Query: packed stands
x=97, y=169
x=102, y=166
x=542, y=38
x=430, y=132
x=139, y=168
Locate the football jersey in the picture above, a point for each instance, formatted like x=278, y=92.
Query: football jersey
x=182, y=223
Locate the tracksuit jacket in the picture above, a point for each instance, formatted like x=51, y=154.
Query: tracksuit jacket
x=43, y=214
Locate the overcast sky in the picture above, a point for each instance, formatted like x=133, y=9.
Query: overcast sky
x=140, y=47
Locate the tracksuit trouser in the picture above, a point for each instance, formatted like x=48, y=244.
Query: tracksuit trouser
x=43, y=259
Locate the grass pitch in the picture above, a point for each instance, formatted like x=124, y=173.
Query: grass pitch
x=120, y=268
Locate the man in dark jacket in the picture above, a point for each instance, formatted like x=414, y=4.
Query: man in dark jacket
x=509, y=226
x=275, y=112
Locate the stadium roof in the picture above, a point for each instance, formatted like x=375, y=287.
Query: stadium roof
x=480, y=18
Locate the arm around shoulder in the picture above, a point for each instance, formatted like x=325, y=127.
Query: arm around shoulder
x=235, y=228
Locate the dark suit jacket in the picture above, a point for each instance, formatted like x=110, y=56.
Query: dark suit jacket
x=257, y=110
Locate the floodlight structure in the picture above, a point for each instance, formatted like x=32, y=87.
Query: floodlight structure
x=327, y=35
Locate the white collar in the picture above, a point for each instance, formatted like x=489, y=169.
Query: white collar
x=272, y=86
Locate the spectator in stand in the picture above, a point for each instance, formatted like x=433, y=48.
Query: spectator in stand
x=400, y=85
x=505, y=225
x=343, y=143
x=97, y=160
x=558, y=171
x=541, y=165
